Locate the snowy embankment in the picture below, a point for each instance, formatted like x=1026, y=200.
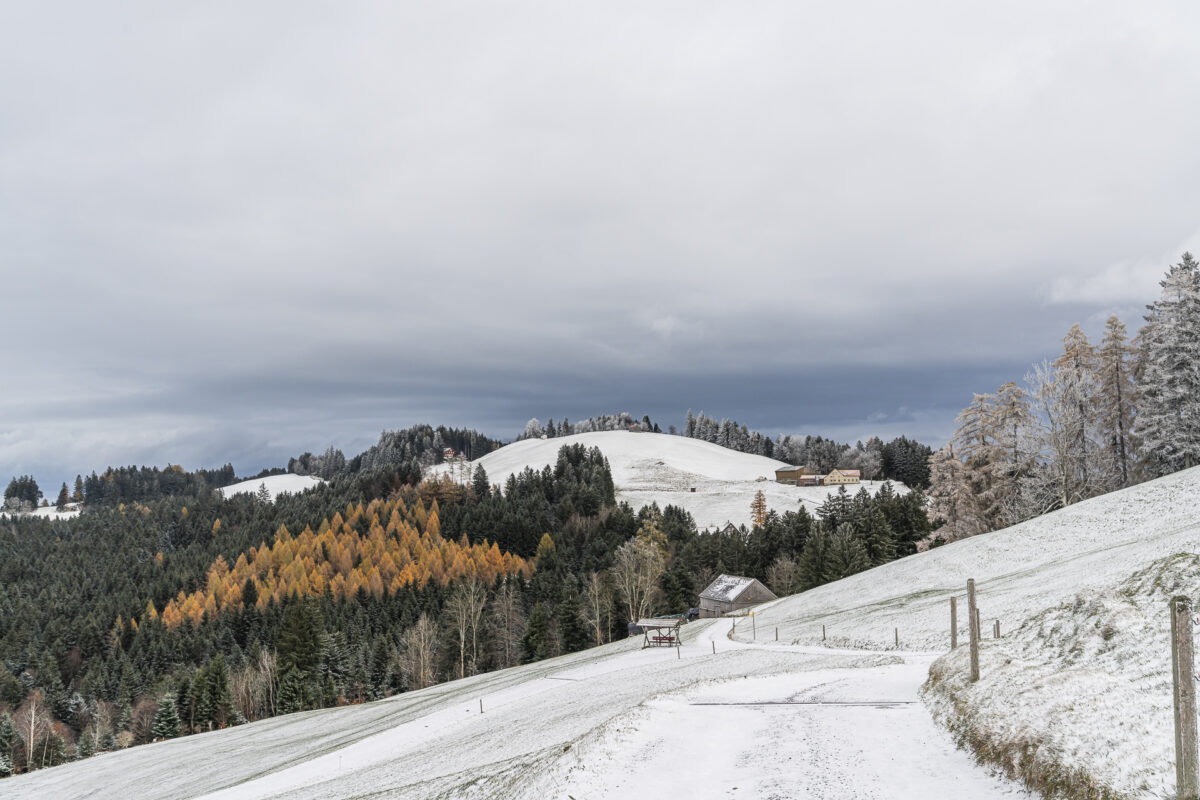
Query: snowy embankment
x=660, y=468
x=276, y=485
x=1076, y=692
x=717, y=719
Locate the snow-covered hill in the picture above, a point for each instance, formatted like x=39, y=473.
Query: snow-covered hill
x=1076, y=685
x=1081, y=675
x=276, y=485
x=659, y=468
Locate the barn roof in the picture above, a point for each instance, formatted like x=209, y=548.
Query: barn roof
x=726, y=588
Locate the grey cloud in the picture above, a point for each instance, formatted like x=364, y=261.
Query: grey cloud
x=302, y=224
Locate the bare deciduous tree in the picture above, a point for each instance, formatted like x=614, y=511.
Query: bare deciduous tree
x=418, y=651
x=464, y=611
x=636, y=570
x=507, y=624
x=598, y=605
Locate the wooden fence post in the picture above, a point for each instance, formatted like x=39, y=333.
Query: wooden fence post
x=822, y=633
x=1187, y=780
x=953, y=623
x=997, y=629
x=714, y=644
x=973, y=615
x=753, y=627
x=897, y=637
x=777, y=634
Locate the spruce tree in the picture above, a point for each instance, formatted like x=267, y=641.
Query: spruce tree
x=166, y=719
x=63, y=498
x=812, y=566
x=1168, y=419
x=9, y=741
x=535, y=644
x=847, y=556
x=292, y=693
x=571, y=630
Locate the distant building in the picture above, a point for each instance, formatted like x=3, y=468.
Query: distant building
x=798, y=476
x=730, y=593
x=840, y=477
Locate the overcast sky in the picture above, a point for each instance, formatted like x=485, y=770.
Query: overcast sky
x=235, y=232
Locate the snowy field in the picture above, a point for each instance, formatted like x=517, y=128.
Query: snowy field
x=660, y=468
x=276, y=485
x=718, y=719
x=49, y=512
x=1076, y=688
x=1079, y=681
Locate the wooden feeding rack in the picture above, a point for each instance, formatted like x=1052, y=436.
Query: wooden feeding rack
x=660, y=631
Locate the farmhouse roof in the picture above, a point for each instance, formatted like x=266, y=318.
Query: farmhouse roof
x=726, y=588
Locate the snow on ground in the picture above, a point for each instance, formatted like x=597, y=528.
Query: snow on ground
x=660, y=468
x=774, y=722
x=1077, y=681
x=1081, y=673
x=50, y=512
x=276, y=485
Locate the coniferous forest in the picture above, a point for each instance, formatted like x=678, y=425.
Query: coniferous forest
x=172, y=610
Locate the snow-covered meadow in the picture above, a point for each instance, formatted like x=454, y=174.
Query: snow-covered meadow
x=276, y=485
x=715, y=719
x=660, y=468
x=1080, y=675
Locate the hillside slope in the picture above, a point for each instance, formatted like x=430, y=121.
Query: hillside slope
x=664, y=469
x=1077, y=689
x=276, y=485
x=576, y=726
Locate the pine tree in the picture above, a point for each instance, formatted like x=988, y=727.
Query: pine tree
x=166, y=719
x=1013, y=456
x=571, y=630
x=1074, y=376
x=846, y=556
x=535, y=644
x=1116, y=397
x=479, y=483
x=9, y=742
x=77, y=496
x=292, y=694
x=1168, y=419
x=63, y=498
x=812, y=567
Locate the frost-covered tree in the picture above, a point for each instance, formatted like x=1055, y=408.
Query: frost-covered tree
x=1116, y=399
x=166, y=719
x=1168, y=419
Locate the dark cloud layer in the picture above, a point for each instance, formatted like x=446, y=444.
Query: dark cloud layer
x=234, y=233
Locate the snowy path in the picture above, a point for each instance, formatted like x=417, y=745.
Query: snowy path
x=846, y=733
x=602, y=723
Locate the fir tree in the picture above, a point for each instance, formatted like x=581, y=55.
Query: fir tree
x=1168, y=419
x=846, y=556
x=166, y=719
x=9, y=742
x=63, y=498
x=536, y=643
x=571, y=630
x=292, y=693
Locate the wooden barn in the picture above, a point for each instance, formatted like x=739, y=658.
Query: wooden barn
x=797, y=476
x=730, y=593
